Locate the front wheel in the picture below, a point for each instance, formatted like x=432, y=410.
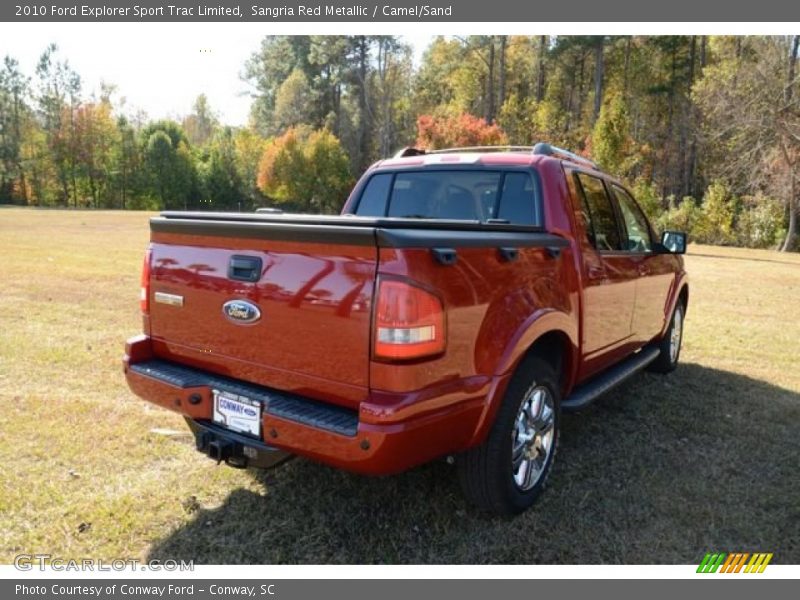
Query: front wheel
x=670, y=344
x=505, y=474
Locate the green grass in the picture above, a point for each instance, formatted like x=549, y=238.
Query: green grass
x=660, y=470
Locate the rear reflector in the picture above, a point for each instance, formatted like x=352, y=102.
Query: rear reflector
x=409, y=322
x=144, y=294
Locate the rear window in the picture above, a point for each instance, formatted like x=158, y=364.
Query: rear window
x=470, y=195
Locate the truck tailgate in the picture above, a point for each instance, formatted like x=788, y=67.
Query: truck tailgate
x=311, y=335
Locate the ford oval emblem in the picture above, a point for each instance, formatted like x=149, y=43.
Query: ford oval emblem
x=241, y=311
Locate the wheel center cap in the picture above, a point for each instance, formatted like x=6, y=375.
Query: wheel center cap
x=532, y=448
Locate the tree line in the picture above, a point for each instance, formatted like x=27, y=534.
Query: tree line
x=705, y=129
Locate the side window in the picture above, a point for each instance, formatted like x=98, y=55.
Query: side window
x=373, y=199
x=518, y=200
x=638, y=232
x=602, y=225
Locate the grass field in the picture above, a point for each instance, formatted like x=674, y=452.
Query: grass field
x=659, y=471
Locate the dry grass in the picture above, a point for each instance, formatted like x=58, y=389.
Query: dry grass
x=660, y=470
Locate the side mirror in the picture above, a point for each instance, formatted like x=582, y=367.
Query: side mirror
x=674, y=242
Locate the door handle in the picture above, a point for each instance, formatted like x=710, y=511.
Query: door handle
x=644, y=270
x=596, y=272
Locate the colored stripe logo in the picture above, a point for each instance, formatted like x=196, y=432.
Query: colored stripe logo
x=736, y=562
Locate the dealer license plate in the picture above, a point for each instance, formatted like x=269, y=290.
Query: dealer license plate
x=237, y=413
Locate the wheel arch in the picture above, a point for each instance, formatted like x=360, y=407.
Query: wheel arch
x=683, y=296
x=680, y=293
x=552, y=337
x=555, y=348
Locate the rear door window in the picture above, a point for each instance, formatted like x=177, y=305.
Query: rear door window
x=467, y=195
x=602, y=227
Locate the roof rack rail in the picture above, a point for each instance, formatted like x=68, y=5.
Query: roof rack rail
x=410, y=151
x=499, y=148
x=556, y=152
x=540, y=148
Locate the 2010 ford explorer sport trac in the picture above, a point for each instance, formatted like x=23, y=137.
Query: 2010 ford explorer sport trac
x=461, y=302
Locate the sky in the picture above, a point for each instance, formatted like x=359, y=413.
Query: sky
x=157, y=67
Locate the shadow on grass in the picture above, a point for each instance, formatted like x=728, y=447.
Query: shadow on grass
x=660, y=470
x=745, y=258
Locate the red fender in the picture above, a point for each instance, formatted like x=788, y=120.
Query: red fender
x=540, y=323
x=681, y=282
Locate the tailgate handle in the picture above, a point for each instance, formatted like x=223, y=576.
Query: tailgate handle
x=244, y=268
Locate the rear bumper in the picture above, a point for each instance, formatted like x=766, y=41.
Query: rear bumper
x=365, y=441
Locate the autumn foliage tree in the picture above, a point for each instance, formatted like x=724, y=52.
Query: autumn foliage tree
x=306, y=169
x=249, y=148
x=457, y=131
x=280, y=168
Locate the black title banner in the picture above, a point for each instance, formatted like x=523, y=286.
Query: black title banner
x=404, y=11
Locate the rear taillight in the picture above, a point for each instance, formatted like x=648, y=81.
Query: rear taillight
x=144, y=295
x=409, y=322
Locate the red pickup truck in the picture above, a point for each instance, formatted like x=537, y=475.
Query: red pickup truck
x=462, y=300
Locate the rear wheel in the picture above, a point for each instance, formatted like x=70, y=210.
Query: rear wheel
x=506, y=473
x=670, y=344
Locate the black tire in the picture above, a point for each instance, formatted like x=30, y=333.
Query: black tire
x=666, y=361
x=486, y=472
